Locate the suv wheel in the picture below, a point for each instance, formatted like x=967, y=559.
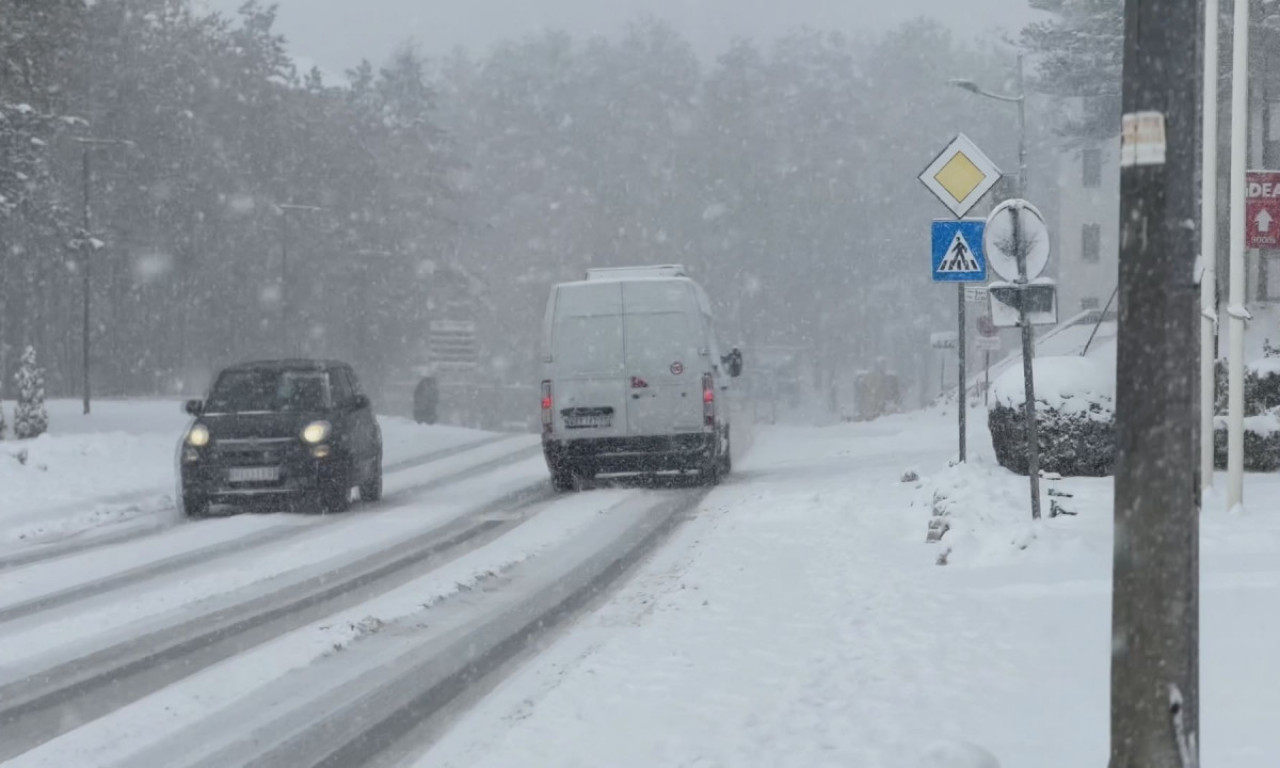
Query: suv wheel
x=195, y=505
x=335, y=496
x=371, y=489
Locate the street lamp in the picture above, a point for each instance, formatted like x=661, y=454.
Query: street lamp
x=1019, y=98
x=86, y=243
x=285, y=210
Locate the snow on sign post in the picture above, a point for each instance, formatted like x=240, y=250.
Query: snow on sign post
x=959, y=176
x=1017, y=246
x=1262, y=210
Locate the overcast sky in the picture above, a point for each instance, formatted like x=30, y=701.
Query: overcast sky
x=337, y=33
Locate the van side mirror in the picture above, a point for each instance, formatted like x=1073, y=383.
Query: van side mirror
x=360, y=402
x=733, y=361
x=194, y=407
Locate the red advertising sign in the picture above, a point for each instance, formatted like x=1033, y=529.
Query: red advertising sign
x=1262, y=210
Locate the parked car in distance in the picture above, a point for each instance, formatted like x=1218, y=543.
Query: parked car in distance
x=634, y=379
x=295, y=432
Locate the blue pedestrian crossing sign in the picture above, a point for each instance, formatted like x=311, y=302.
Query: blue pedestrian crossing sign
x=957, y=251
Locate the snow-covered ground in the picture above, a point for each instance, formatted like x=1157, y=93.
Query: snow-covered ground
x=117, y=464
x=802, y=620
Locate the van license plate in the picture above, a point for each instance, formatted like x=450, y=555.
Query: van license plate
x=588, y=420
x=254, y=474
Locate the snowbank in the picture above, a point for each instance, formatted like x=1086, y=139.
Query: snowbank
x=1267, y=366
x=1070, y=384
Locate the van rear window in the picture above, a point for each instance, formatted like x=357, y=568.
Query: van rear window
x=656, y=340
x=658, y=296
x=589, y=300
x=589, y=345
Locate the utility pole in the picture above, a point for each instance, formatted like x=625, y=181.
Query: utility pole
x=86, y=260
x=1236, y=279
x=1155, y=574
x=88, y=244
x=1208, y=242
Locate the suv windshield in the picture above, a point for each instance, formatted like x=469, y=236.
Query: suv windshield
x=265, y=390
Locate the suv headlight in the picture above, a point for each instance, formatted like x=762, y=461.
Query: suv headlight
x=316, y=432
x=198, y=437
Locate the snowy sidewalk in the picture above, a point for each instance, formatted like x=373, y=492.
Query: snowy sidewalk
x=801, y=620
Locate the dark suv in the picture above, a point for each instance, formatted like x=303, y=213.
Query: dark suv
x=297, y=431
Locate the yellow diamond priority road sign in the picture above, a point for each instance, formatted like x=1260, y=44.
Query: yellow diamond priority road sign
x=960, y=175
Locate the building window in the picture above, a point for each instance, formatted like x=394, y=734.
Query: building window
x=1089, y=303
x=1091, y=167
x=1091, y=243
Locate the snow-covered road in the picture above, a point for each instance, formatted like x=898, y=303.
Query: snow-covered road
x=801, y=620
x=793, y=616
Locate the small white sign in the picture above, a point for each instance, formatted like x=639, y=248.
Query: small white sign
x=944, y=340
x=998, y=243
x=988, y=344
x=960, y=175
x=975, y=294
x=1142, y=139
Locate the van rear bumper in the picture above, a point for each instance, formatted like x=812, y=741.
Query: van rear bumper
x=606, y=455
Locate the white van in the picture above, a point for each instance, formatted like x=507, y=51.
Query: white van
x=634, y=380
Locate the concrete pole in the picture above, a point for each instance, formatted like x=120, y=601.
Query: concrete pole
x=1155, y=676
x=1208, y=242
x=1236, y=299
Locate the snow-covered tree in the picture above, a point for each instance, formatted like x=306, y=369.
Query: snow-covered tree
x=30, y=419
x=1080, y=50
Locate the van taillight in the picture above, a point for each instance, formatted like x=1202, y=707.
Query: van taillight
x=708, y=400
x=547, y=420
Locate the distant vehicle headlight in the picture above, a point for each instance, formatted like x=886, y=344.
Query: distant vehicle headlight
x=198, y=437
x=316, y=432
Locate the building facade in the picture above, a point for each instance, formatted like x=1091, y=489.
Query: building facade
x=1088, y=254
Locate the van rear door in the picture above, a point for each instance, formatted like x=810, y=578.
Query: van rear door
x=588, y=365
x=663, y=365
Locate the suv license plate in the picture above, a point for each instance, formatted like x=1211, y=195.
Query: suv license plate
x=590, y=421
x=254, y=474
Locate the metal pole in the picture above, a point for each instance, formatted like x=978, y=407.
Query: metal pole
x=1028, y=377
x=1236, y=310
x=986, y=385
x=284, y=281
x=1208, y=242
x=964, y=400
x=1022, y=133
x=1154, y=643
x=86, y=259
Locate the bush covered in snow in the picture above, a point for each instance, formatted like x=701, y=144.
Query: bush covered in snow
x=1075, y=412
x=1261, y=442
x=1261, y=386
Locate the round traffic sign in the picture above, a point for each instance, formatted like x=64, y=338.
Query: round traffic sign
x=987, y=326
x=677, y=368
x=997, y=240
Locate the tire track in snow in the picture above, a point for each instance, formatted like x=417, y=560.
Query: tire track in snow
x=262, y=538
x=50, y=702
x=40, y=553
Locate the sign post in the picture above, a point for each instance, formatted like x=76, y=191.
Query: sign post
x=987, y=342
x=1018, y=243
x=959, y=177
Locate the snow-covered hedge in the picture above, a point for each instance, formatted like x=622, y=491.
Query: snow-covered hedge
x=1261, y=386
x=1075, y=411
x=1261, y=442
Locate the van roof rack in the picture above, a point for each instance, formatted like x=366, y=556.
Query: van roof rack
x=620, y=273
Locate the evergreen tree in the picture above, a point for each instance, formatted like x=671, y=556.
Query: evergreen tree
x=30, y=419
x=1080, y=52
